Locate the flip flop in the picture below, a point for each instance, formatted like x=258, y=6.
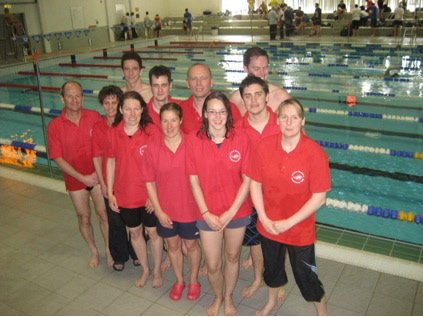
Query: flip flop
x=117, y=266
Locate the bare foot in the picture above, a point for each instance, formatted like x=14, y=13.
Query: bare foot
x=165, y=265
x=281, y=295
x=109, y=259
x=247, y=263
x=94, y=260
x=214, y=308
x=140, y=282
x=203, y=270
x=266, y=309
x=249, y=290
x=157, y=280
x=229, y=307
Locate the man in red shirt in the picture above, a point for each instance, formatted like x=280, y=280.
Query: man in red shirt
x=200, y=82
x=161, y=85
x=69, y=140
x=257, y=123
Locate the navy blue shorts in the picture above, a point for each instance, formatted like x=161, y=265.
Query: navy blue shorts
x=186, y=230
x=133, y=217
x=251, y=236
x=233, y=224
x=303, y=263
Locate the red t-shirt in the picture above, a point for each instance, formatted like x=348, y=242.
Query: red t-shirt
x=100, y=143
x=288, y=181
x=73, y=143
x=192, y=119
x=167, y=170
x=128, y=153
x=271, y=128
x=155, y=116
x=219, y=170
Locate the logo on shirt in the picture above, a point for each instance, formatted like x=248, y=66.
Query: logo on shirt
x=297, y=177
x=142, y=149
x=235, y=156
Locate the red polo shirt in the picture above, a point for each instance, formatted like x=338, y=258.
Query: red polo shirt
x=100, y=143
x=128, y=153
x=219, y=170
x=288, y=181
x=192, y=120
x=271, y=128
x=155, y=116
x=73, y=143
x=167, y=170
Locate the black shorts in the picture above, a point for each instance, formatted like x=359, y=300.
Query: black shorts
x=251, y=236
x=356, y=24
x=373, y=23
x=397, y=23
x=186, y=230
x=133, y=217
x=303, y=263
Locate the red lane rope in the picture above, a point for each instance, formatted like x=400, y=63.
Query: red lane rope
x=211, y=46
x=143, y=58
x=65, y=75
x=88, y=65
x=162, y=52
x=205, y=42
x=32, y=87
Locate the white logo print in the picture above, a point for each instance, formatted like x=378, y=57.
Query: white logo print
x=235, y=156
x=142, y=149
x=297, y=177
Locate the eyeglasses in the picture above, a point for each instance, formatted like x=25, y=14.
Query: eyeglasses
x=215, y=113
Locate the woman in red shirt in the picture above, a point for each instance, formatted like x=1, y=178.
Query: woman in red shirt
x=216, y=162
x=170, y=194
x=289, y=180
x=126, y=190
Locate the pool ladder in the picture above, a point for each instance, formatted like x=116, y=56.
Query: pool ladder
x=412, y=33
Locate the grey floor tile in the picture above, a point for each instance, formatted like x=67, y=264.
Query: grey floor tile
x=6, y=310
x=76, y=286
x=389, y=285
x=417, y=309
x=351, y=298
x=419, y=293
x=98, y=296
x=334, y=310
x=383, y=305
x=159, y=310
x=295, y=305
x=359, y=277
x=127, y=305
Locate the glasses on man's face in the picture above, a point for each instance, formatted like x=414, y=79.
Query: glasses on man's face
x=217, y=113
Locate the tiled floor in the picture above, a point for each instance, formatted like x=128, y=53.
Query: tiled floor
x=43, y=271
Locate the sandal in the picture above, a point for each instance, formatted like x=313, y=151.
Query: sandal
x=117, y=266
x=176, y=291
x=135, y=262
x=194, y=291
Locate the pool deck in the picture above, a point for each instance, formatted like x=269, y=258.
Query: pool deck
x=45, y=272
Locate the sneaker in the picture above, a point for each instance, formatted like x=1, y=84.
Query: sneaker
x=176, y=291
x=194, y=291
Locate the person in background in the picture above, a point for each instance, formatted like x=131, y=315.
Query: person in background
x=110, y=97
x=157, y=25
x=317, y=21
x=289, y=179
x=256, y=62
x=200, y=82
x=170, y=194
x=161, y=84
x=374, y=17
x=13, y=22
x=69, y=141
x=356, y=19
x=398, y=19
x=132, y=68
x=187, y=22
x=147, y=25
x=273, y=23
x=216, y=158
x=126, y=190
x=133, y=23
x=289, y=21
x=258, y=122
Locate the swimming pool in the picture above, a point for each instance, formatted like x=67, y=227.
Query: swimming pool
x=375, y=147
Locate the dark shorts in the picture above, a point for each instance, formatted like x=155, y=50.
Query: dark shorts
x=303, y=263
x=373, y=23
x=251, y=236
x=233, y=224
x=356, y=24
x=317, y=22
x=397, y=23
x=186, y=230
x=133, y=217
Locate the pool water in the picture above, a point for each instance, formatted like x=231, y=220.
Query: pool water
x=386, y=119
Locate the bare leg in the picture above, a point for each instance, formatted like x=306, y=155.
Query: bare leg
x=176, y=257
x=140, y=248
x=157, y=249
x=194, y=257
x=248, y=262
x=80, y=201
x=321, y=307
x=275, y=295
x=233, y=244
x=257, y=260
x=100, y=209
x=213, y=255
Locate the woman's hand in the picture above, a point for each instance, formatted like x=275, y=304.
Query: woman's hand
x=282, y=225
x=165, y=220
x=213, y=221
x=269, y=225
x=113, y=203
x=225, y=218
x=149, y=206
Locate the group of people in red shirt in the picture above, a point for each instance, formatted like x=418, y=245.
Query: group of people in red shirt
x=190, y=171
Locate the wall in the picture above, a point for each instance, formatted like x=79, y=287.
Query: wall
x=177, y=7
